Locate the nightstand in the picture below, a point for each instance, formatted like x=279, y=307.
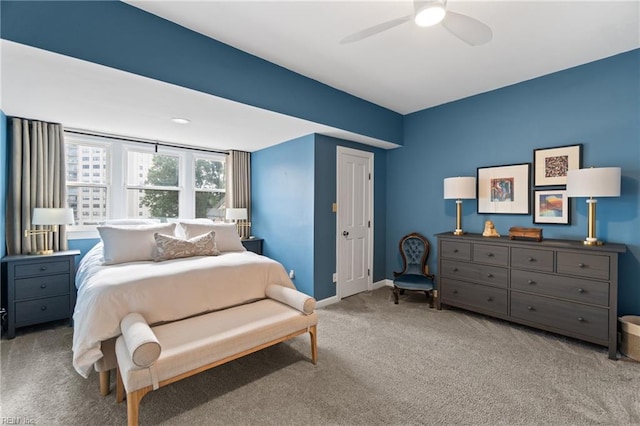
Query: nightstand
x=253, y=244
x=38, y=288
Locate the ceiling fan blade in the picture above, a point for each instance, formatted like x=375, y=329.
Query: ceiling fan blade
x=467, y=29
x=368, y=32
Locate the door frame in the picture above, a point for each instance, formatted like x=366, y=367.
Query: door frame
x=370, y=156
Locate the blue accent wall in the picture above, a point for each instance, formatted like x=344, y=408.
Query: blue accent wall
x=118, y=35
x=597, y=105
x=294, y=187
x=4, y=172
x=84, y=245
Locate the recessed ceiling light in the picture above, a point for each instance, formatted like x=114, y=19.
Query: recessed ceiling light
x=180, y=120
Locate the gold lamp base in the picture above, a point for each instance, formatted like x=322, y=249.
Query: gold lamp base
x=41, y=252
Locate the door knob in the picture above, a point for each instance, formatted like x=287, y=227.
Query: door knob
x=345, y=233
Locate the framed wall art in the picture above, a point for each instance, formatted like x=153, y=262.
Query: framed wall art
x=551, y=206
x=504, y=189
x=550, y=165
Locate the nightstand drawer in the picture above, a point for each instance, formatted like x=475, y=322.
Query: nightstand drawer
x=456, y=250
x=474, y=295
x=584, y=320
x=41, y=268
x=585, y=265
x=578, y=289
x=44, y=286
x=496, y=255
x=540, y=260
x=485, y=274
x=42, y=310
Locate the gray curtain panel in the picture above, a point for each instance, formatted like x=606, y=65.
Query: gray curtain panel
x=36, y=179
x=239, y=196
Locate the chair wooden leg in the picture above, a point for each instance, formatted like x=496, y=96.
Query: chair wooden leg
x=395, y=295
x=119, y=387
x=430, y=297
x=105, y=377
x=133, y=405
x=313, y=333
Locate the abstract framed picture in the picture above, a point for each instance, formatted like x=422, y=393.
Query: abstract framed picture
x=551, y=206
x=550, y=165
x=504, y=189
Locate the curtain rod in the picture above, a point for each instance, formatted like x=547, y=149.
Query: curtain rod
x=137, y=140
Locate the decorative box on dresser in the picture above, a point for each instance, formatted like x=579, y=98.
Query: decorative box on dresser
x=38, y=288
x=560, y=286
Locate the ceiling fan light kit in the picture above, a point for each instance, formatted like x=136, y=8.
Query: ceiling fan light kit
x=431, y=14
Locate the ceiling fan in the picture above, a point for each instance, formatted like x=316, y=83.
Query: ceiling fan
x=432, y=12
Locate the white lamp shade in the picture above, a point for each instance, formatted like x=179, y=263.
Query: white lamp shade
x=236, y=214
x=461, y=187
x=594, y=182
x=52, y=216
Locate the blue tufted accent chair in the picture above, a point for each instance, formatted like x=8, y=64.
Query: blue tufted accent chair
x=415, y=276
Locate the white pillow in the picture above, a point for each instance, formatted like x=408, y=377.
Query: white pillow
x=131, y=243
x=121, y=222
x=180, y=230
x=227, y=238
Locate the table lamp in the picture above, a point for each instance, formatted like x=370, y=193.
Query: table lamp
x=593, y=182
x=49, y=219
x=238, y=214
x=459, y=188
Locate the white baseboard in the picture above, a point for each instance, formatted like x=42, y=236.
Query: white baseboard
x=335, y=299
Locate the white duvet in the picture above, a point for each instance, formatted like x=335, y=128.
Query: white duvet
x=160, y=292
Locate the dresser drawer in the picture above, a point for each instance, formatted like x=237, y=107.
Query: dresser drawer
x=485, y=274
x=495, y=255
x=41, y=268
x=540, y=260
x=44, y=286
x=580, y=290
x=42, y=310
x=588, y=321
x=456, y=250
x=585, y=265
x=473, y=295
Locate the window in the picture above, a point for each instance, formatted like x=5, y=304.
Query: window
x=131, y=180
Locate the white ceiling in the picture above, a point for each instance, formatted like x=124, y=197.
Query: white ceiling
x=405, y=69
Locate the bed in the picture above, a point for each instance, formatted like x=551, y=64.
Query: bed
x=162, y=291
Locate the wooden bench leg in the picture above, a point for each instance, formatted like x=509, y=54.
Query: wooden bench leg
x=104, y=382
x=314, y=344
x=133, y=405
x=119, y=387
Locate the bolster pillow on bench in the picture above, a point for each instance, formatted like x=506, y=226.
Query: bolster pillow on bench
x=141, y=342
x=294, y=298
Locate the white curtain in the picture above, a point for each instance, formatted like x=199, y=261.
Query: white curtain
x=36, y=179
x=239, y=195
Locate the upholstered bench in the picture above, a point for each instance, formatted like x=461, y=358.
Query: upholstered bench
x=149, y=358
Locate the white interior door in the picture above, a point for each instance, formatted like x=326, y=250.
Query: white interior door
x=354, y=221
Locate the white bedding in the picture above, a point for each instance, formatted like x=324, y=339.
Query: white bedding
x=161, y=292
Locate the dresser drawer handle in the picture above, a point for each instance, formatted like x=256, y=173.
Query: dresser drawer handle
x=580, y=319
x=489, y=275
x=43, y=286
x=532, y=259
x=531, y=282
x=489, y=254
x=455, y=250
x=489, y=299
x=455, y=269
x=581, y=265
x=43, y=307
x=43, y=268
x=580, y=290
x=455, y=291
x=530, y=308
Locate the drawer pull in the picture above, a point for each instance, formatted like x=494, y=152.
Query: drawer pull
x=489, y=299
x=581, y=265
x=455, y=269
x=43, y=307
x=43, y=268
x=531, y=282
x=43, y=286
x=532, y=259
x=530, y=308
x=490, y=254
x=455, y=250
x=580, y=319
x=455, y=291
x=489, y=275
x=580, y=290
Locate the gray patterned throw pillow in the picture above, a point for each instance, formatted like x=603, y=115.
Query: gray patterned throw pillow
x=169, y=247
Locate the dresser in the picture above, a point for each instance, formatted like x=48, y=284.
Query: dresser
x=38, y=288
x=561, y=286
x=253, y=244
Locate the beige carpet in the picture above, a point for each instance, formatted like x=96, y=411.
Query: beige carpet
x=379, y=364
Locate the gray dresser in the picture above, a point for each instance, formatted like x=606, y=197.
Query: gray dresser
x=560, y=286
